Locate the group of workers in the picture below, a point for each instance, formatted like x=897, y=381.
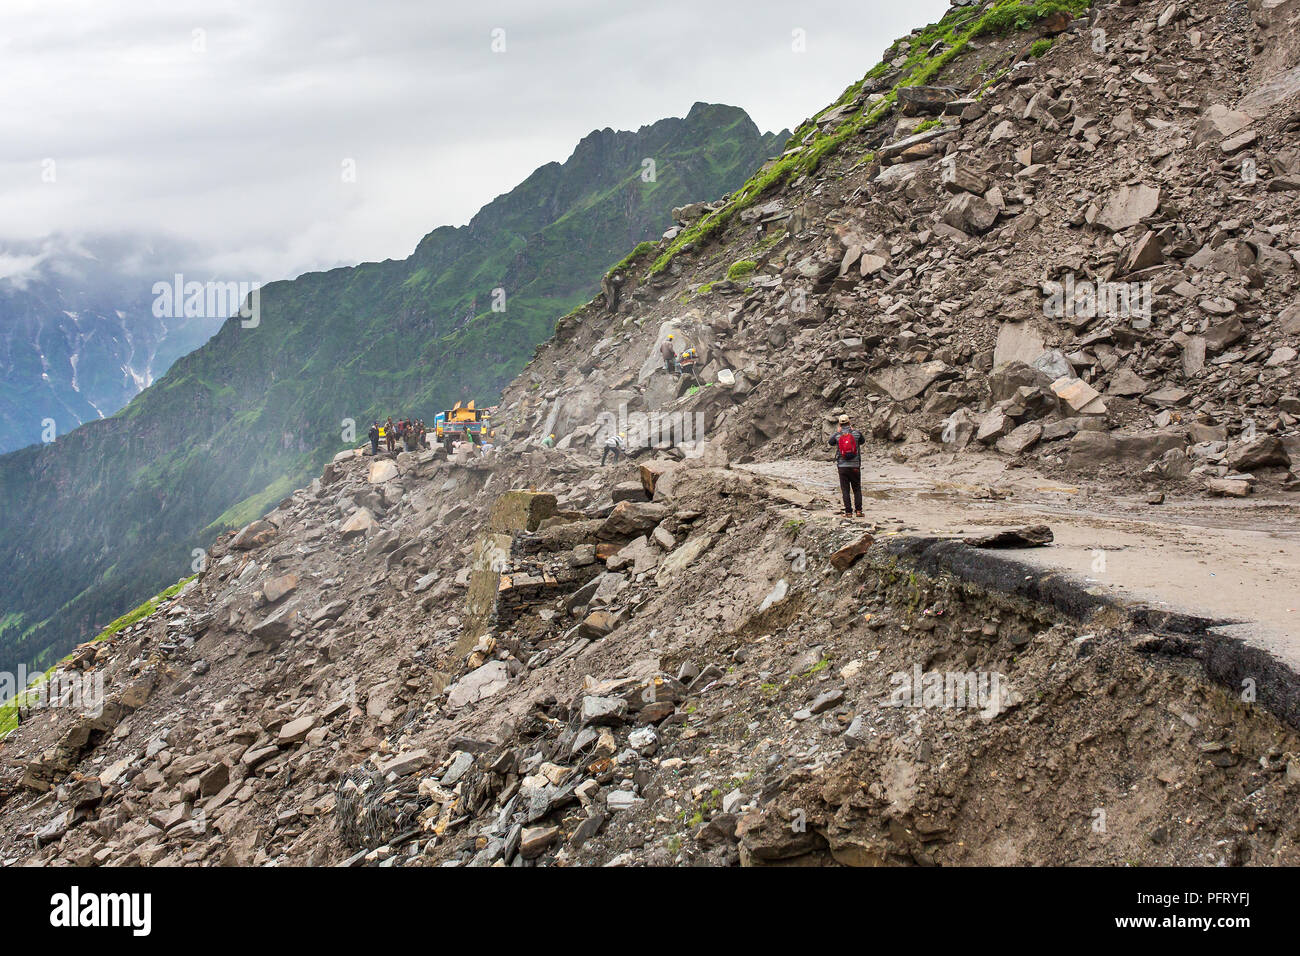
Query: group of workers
x=410, y=433
x=614, y=444
x=683, y=364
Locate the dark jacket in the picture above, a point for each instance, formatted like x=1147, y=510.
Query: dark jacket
x=856, y=460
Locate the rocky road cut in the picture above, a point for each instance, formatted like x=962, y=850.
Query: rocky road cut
x=1231, y=561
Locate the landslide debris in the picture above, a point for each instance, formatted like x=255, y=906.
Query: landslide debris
x=717, y=676
x=523, y=659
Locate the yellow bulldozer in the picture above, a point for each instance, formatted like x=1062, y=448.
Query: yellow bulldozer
x=464, y=417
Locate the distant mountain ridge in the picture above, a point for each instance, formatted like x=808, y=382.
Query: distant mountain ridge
x=78, y=334
x=243, y=420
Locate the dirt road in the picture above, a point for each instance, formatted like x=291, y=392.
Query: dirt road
x=1230, y=560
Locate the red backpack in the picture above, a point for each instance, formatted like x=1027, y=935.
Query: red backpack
x=848, y=446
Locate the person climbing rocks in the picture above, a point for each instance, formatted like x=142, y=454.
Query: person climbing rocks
x=549, y=441
x=616, y=444
x=847, y=443
x=374, y=439
x=669, y=353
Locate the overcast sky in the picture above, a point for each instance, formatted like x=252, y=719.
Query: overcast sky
x=230, y=122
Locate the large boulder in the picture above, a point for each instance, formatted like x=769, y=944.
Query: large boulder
x=970, y=213
x=1219, y=336
x=631, y=518
x=1128, y=206
x=959, y=177
x=901, y=382
x=599, y=623
x=274, y=629
x=279, y=587
x=382, y=470
x=1126, y=383
x=640, y=556
x=1219, y=122
x=361, y=522
x=254, y=535
x=652, y=471
x=1233, y=258
x=1090, y=448
x=1020, y=439
x=479, y=684
x=1006, y=380
x=521, y=511
x=1081, y=397
x=993, y=425
x=682, y=558
x=1263, y=452
x=919, y=100
x=1018, y=342
x=628, y=491
x=1171, y=396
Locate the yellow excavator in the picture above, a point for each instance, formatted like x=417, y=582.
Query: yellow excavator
x=454, y=422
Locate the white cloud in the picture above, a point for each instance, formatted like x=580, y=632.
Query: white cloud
x=237, y=142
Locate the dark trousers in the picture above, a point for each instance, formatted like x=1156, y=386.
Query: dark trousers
x=374, y=446
x=851, y=479
x=608, y=449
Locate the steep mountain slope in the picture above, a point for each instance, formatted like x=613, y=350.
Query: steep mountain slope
x=78, y=334
x=114, y=509
x=686, y=659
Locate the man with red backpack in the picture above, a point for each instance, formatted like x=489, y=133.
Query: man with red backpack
x=847, y=443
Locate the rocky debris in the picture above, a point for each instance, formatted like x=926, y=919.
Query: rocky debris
x=253, y=535
x=1028, y=212
x=632, y=518
x=276, y=627
x=694, y=718
x=1127, y=206
x=844, y=558
x=280, y=587
x=652, y=472
x=970, y=213
x=360, y=522
x=382, y=470
x=669, y=661
x=489, y=679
